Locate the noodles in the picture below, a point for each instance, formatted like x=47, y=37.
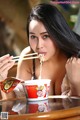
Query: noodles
x=41, y=63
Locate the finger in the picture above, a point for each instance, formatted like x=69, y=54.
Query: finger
x=74, y=60
x=1, y=77
x=6, y=71
x=11, y=64
x=69, y=60
x=5, y=61
x=7, y=66
x=78, y=60
x=4, y=57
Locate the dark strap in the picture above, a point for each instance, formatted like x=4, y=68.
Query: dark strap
x=34, y=77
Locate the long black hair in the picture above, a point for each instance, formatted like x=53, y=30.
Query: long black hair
x=57, y=27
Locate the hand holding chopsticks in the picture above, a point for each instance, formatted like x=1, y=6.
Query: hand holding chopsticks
x=11, y=82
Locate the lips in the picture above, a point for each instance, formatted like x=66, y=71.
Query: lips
x=43, y=53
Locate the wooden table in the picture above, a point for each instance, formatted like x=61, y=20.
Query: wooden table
x=55, y=108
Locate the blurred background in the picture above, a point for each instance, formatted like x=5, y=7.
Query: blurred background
x=13, y=19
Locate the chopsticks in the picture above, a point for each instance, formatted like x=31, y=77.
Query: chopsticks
x=26, y=57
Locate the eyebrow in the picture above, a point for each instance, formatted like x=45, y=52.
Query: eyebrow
x=40, y=33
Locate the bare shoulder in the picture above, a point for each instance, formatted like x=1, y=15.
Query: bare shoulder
x=24, y=68
x=25, y=51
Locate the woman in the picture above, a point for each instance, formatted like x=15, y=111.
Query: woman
x=49, y=34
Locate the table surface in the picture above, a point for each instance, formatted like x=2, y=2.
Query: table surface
x=54, y=103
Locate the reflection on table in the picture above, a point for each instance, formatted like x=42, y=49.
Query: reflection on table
x=22, y=106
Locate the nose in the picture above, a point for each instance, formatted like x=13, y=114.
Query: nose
x=40, y=43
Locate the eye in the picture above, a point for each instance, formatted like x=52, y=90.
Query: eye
x=32, y=37
x=45, y=36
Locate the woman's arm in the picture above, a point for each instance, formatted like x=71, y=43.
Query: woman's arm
x=73, y=76
x=23, y=68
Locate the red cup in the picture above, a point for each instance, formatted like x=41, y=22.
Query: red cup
x=37, y=89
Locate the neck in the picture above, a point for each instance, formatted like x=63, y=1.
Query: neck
x=58, y=58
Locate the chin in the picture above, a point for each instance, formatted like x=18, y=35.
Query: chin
x=45, y=59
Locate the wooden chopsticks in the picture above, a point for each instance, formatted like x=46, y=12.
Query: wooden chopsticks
x=26, y=57
x=31, y=54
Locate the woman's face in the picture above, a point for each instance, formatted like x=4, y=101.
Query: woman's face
x=40, y=40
